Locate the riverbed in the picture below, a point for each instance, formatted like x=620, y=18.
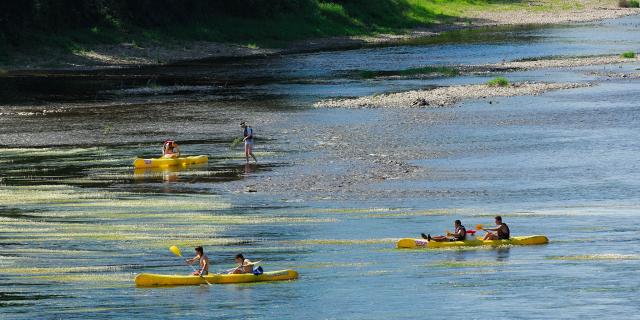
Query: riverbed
x=333, y=188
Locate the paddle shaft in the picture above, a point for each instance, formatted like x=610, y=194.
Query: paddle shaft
x=236, y=268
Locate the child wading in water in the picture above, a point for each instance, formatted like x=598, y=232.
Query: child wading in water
x=248, y=141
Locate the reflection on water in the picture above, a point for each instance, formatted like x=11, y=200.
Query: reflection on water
x=169, y=174
x=502, y=254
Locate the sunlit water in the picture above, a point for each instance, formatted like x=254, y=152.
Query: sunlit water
x=77, y=223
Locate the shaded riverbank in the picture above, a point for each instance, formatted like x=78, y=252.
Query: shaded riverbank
x=149, y=53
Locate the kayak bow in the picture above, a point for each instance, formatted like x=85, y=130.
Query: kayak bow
x=151, y=280
x=409, y=243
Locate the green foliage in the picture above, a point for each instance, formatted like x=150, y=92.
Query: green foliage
x=428, y=70
x=498, y=82
x=629, y=54
x=78, y=24
x=629, y=4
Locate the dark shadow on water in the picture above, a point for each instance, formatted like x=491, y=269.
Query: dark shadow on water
x=502, y=254
x=10, y=298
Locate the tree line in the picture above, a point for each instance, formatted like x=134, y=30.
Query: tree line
x=49, y=16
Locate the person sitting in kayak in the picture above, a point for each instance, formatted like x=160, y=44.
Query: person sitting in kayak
x=248, y=141
x=501, y=231
x=203, y=260
x=170, y=149
x=459, y=234
x=244, y=265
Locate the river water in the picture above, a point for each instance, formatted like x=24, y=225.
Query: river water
x=333, y=189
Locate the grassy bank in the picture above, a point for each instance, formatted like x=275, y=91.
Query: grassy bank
x=70, y=26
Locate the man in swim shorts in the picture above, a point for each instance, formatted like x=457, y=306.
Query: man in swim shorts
x=501, y=230
x=203, y=260
x=459, y=234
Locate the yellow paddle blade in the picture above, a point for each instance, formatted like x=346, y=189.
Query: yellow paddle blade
x=175, y=251
x=478, y=226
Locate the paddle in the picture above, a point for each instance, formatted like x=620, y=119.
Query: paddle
x=175, y=250
x=480, y=227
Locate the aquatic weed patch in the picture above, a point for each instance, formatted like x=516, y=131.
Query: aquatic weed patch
x=70, y=269
x=466, y=264
x=345, y=242
x=596, y=257
x=351, y=210
x=320, y=265
x=427, y=71
x=91, y=277
x=429, y=212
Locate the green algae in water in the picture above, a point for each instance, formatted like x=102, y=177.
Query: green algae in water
x=345, y=242
x=465, y=264
x=70, y=269
x=88, y=277
x=596, y=257
x=53, y=152
x=320, y=265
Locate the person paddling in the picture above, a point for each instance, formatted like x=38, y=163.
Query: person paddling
x=203, y=260
x=170, y=149
x=244, y=265
x=459, y=234
x=501, y=230
x=248, y=141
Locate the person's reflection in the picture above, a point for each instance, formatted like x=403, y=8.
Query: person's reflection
x=502, y=254
x=248, y=168
x=169, y=176
x=459, y=256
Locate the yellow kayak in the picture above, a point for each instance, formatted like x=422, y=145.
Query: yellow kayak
x=408, y=243
x=150, y=280
x=169, y=162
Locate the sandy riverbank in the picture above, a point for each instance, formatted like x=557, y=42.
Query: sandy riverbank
x=444, y=96
x=549, y=13
x=560, y=62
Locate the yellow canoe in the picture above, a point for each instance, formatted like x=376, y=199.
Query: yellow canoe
x=151, y=280
x=409, y=243
x=169, y=162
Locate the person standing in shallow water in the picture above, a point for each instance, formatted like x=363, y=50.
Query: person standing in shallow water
x=248, y=141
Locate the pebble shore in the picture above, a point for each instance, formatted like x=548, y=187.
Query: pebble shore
x=445, y=96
